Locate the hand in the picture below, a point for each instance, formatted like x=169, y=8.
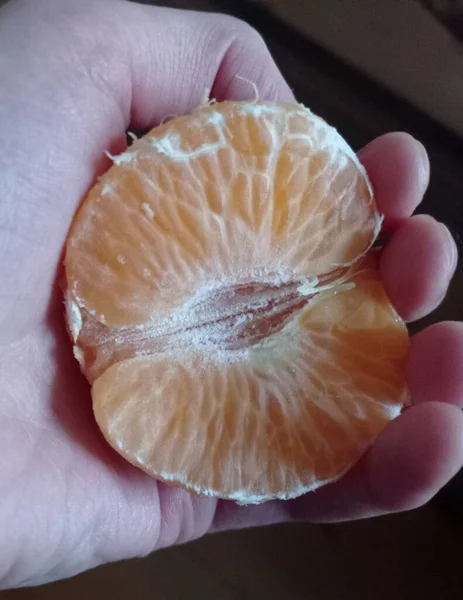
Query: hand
x=74, y=76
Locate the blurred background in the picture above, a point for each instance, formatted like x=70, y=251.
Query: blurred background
x=367, y=67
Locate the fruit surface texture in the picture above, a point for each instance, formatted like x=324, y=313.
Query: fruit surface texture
x=224, y=302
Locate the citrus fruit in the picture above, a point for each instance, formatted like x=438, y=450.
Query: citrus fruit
x=225, y=304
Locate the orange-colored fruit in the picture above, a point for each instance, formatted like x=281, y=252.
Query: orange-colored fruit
x=226, y=307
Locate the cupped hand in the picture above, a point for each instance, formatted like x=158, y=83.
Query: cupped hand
x=74, y=76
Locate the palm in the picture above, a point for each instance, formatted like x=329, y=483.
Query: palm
x=79, y=486
x=67, y=500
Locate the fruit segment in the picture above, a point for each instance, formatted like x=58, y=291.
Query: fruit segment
x=274, y=419
x=235, y=193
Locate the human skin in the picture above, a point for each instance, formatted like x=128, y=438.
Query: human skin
x=74, y=76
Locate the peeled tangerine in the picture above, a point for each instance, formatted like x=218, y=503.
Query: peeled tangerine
x=226, y=307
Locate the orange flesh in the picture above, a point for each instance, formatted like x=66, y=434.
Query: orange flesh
x=225, y=307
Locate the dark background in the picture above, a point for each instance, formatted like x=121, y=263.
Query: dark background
x=408, y=556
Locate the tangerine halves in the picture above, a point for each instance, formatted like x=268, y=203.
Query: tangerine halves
x=224, y=302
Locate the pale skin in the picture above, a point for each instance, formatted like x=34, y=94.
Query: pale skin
x=74, y=76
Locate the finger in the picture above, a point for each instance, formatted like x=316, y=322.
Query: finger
x=434, y=370
x=414, y=457
x=229, y=515
x=242, y=78
x=417, y=265
x=186, y=55
x=398, y=167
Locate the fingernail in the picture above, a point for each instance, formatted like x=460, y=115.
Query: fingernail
x=452, y=248
x=424, y=165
